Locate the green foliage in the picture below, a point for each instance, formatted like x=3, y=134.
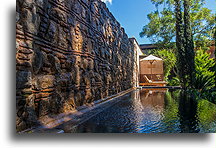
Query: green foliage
x=203, y=24
x=161, y=26
x=174, y=81
x=205, y=76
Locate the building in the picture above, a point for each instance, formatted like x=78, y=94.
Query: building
x=145, y=48
x=137, y=53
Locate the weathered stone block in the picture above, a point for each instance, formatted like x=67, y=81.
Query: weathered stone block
x=45, y=81
x=56, y=103
x=23, y=79
x=55, y=63
x=69, y=104
x=69, y=53
x=44, y=106
x=52, y=32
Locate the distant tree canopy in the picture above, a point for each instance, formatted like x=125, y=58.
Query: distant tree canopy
x=161, y=26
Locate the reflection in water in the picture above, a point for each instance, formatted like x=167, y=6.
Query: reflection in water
x=187, y=113
x=152, y=111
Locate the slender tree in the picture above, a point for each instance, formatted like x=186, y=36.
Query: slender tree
x=184, y=43
x=215, y=50
x=182, y=69
x=189, y=43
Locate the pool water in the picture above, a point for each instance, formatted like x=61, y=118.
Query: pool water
x=152, y=111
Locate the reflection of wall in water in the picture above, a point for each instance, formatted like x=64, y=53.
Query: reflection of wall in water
x=137, y=105
x=134, y=112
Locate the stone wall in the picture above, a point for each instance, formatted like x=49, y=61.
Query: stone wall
x=68, y=53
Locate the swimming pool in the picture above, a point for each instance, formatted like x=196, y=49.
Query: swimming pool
x=150, y=111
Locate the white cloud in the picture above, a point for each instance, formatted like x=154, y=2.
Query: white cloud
x=107, y=1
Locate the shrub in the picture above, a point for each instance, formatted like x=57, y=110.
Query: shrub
x=174, y=81
x=205, y=76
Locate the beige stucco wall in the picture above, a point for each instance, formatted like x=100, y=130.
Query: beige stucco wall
x=137, y=53
x=147, y=68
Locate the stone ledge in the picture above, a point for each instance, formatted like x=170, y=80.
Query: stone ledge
x=82, y=114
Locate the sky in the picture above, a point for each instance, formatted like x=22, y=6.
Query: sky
x=132, y=15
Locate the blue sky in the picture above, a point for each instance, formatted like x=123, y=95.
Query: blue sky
x=132, y=14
